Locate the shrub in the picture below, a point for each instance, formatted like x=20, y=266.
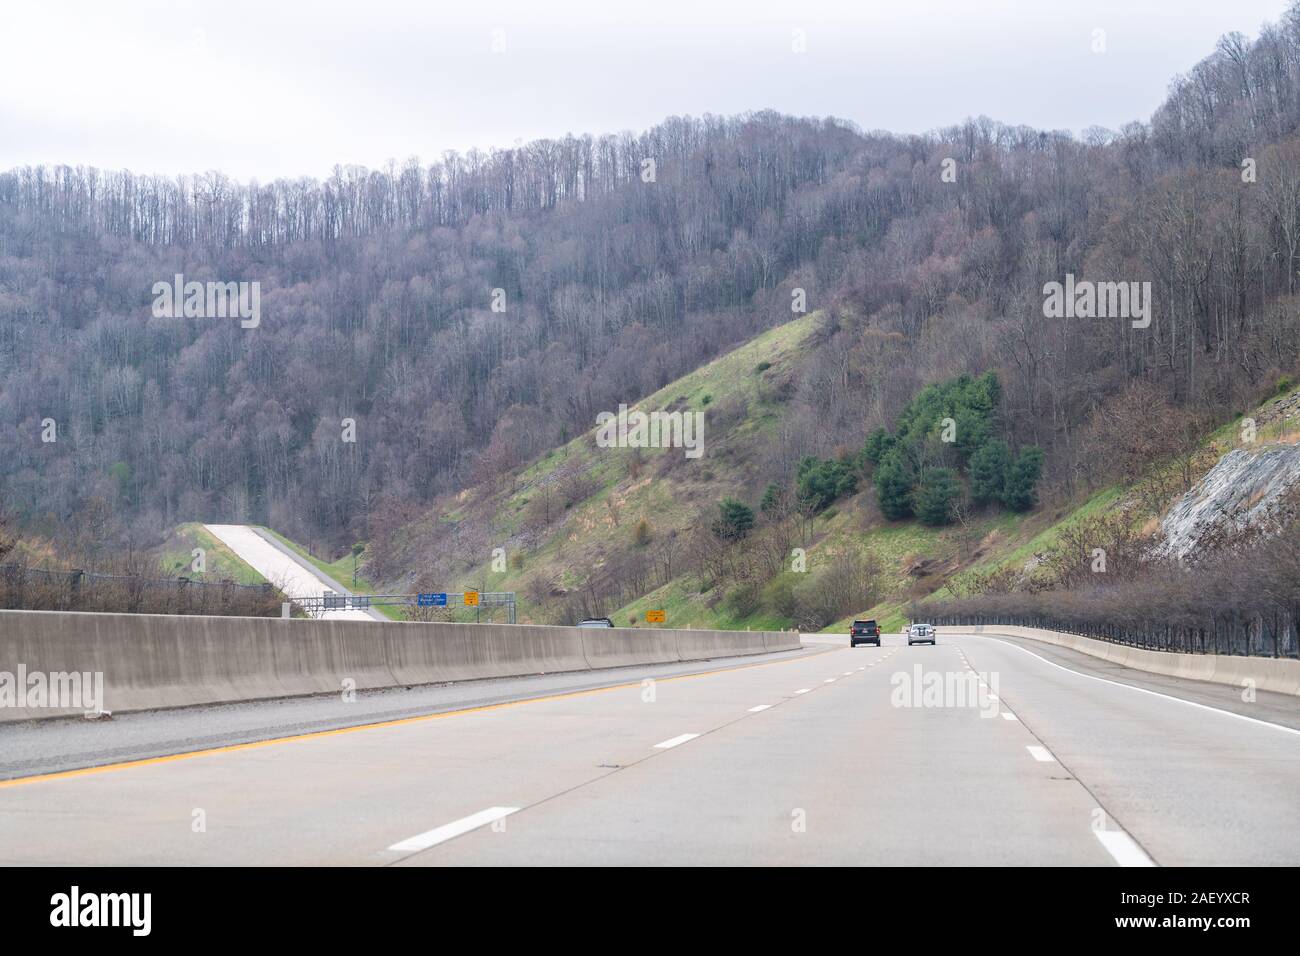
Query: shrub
x=778, y=595
x=744, y=600
x=641, y=533
x=847, y=585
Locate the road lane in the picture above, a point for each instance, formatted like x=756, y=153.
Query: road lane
x=839, y=777
x=345, y=796
x=1193, y=786
x=31, y=748
x=769, y=764
x=1268, y=705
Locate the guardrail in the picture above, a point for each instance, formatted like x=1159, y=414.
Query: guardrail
x=315, y=605
x=1258, y=636
x=1276, y=674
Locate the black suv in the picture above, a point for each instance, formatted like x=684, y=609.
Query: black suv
x=864, y=632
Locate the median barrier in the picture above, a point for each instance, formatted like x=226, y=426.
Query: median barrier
x=624, y=647
x=435, y=652
x=157, y=661
x=1279, y=675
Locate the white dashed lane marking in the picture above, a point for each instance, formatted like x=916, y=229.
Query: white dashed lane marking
x=449, y=831
x=1123, y=848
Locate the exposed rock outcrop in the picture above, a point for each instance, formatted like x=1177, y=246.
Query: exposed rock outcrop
x=1247, y=491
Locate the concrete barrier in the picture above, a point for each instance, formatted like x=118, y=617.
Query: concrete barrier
x=152, y=661
x=1280, y=675
x=606, y=647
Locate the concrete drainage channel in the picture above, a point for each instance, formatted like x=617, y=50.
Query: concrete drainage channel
x=152, y=662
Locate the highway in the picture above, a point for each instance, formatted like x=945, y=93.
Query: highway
x=288, y=572
x=796, y=758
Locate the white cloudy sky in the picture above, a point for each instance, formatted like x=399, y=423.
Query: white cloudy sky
x=266, y=89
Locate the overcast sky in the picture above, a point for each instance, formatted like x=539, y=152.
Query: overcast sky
x=266, y=89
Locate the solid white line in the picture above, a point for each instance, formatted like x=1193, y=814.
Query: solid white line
x=1041, y=754
x=803, y=690
x=759, y=709
x=674, y=741
x=1143, y=690
x=449, y=831
x=1007, y=715
x=1123, y=848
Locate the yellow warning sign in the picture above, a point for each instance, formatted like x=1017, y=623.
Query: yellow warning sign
x=471, y=599
x=654, y=617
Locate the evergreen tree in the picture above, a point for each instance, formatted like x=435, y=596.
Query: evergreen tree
x=935, y=496
x=735, y=520
x=821, y=482
x=773, y=498
x=878, y=443
x=1022, y=476
x=988, y=471
x=893, y=481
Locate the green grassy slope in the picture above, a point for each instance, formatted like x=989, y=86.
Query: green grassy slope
x=743, y=393
x=176, y=555
x=626, y=485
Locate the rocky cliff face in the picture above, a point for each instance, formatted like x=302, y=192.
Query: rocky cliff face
x=1248, y=490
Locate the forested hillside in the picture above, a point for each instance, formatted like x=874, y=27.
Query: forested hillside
x=472, y=313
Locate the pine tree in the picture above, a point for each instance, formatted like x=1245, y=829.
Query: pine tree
x=935, y=496
x=894, y=486
x=1022, y=476
x=988, y=471
x=735, y=520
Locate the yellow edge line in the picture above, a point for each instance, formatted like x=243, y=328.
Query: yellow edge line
x=316, y=734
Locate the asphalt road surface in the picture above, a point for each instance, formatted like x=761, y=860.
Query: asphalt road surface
x=288, y=572
x=830, y=756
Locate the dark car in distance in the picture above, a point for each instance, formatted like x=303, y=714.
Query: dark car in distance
x=864, y=632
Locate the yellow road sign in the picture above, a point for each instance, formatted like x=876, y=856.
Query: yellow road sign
x=654, y=617
x=471, y=599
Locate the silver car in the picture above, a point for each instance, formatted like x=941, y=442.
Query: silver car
x=920, y=634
